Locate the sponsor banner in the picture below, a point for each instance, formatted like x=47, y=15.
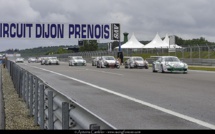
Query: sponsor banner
x=59, y=31
x=115, y=31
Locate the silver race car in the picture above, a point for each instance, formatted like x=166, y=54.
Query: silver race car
x=136, y=62
x=19, y=60
x=94, y=60
x=52, y=60
x=77, y=61
x=108, y=62
x=169, y=64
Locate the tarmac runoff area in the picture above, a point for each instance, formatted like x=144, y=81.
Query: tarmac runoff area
x=15, y=111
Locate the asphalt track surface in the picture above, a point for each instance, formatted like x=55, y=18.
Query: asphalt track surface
x=136, y=98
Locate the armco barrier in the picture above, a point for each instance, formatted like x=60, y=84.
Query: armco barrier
x=2, y=113
x=50, y=108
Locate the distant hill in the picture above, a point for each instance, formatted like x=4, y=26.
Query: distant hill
x=42, y=51
x=35, y=52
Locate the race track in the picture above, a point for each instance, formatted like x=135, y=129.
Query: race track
x=136, y=98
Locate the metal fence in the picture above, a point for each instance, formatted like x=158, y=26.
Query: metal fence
x=2, y=113
x=50, y=108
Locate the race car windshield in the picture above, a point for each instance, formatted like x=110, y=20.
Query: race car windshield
x=19, y=58
x=172, y=59
x=53, y=58
x=109, y=58
x=138, y=59
x=78, y=58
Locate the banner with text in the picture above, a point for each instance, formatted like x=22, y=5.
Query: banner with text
x=59, y=31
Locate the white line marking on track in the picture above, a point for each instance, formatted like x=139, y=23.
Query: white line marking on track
x=191, y=119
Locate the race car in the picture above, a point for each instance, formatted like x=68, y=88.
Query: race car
x=107, y=62
x=169, y=64
x=32, y=60
x=77, y=61
x=19, y=60
x=94, y=60
x=52, y=60
x=136, y=62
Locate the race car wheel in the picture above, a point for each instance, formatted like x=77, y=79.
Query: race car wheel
x=162, y=69
x=153, y=69
x=129, y=66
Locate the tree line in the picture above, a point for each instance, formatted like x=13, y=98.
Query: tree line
x=93, y=45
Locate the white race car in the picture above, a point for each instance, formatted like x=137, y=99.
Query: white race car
x=32, y=60
x=19, y=60
x=77, y=61
x=108, y=62
x=136, y=62
x=169, y=64
x=52, y=60
x=94, y=60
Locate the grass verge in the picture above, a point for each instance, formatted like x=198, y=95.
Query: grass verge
x=202, y=68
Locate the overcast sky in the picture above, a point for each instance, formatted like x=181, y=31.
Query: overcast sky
x=185, y=18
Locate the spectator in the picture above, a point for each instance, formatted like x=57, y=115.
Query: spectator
x=4, y=61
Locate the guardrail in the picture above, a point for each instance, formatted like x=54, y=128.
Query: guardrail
x=2, y=113
x=50, y=108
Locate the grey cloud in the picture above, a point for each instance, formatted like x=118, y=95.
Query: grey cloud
x=185, y=18
x=17, y=10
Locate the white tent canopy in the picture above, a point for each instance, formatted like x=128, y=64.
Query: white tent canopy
x=132, y=43
x=157, y=42
x=174, y=46
x=166, y=40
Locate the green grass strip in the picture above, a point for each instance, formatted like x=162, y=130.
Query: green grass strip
x=202, y=68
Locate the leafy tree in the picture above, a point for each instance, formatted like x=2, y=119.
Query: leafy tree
x=179, y=41
x=61, y=50
x=115, y=44
x=89, y=45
